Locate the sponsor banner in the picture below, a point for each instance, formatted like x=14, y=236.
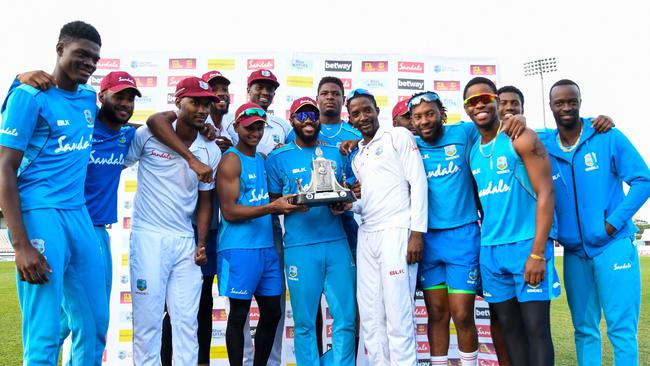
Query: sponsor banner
x=173, y=80
x=453, y=118
x=182, y=63
x=483, y=69
x=421, y=311
x=407, y=66
x=125, y=297
x=95, y=80
x=289, y=332
x=126, y=335
x=146, y=81
x=338, y=66
x=221, y=64
x=218, y=352
x=446, y=85
x=382, y=100
x=260, y=63
x=141, y=115
x=130, y=185
x=125, y=260
x=108, y=64
x=143, y=64
x=438, y=68
x=374, y=66
x=487, y=348
x=347, y=84
x=412, y=84
x=171, y=99
x=374, y=83
x=254, y=314
x=421, y=329
x=302, y=64
x=484, y=331
x=300, y=81
x=219, y=315
x=481, y=312
x=423, y=347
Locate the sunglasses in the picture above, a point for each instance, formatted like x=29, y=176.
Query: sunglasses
x=302, y=116
x=485, y=98
x=252, y=112
x=357, y=92
x=426, y=97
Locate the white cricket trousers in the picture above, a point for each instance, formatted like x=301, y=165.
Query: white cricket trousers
x=385, y=291
x=163, y=270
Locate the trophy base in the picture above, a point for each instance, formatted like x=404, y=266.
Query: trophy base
x=322, y=198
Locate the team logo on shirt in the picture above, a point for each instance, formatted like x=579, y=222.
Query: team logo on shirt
x=473, y=275
x=450, y=150
x=38, y=244
x=89, y=118
x=293, y=273
x=591, y=161
x=379, y=150
x=122, y=139
x=502, y=163
x=141, y=284
x=276, y=139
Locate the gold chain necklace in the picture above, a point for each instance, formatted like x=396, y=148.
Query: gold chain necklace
x=575, y=144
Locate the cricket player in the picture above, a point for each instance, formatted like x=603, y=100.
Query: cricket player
x=319, y=260
x=601, y=263
x=516, y=259
x=248, y=264
x=402, y=116
x=45, y=145
x=164, y=257
x=393, y=209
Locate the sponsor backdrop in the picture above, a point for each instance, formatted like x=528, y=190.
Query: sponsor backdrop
x=389, y=77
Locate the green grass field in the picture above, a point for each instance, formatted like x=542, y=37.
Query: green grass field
x=561, y=321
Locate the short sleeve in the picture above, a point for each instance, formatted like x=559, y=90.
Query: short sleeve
x=273, y=174
x=142, y=134
x=19, y=119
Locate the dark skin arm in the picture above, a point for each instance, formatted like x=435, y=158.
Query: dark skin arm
x=160, y=125
x=30, y=264
x=514, y=125
x=538, y=166
x=228, y=193
x=602, y=123
x=414, y=248
x=38, y=79
x=203, y=218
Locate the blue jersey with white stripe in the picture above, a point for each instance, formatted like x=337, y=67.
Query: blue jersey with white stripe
x=506, y=195
x=452, y=201
x=109, y=148
x=289, y=163
x=53, y=129
x=253, y=191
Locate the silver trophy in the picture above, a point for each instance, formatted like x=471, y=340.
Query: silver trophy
x=324, y=189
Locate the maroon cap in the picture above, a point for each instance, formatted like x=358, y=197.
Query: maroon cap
x=255, y=113
x=116, y=81
x=263, y=75
x=301, y=102
x=214, y=74
x=401, y=108
x=194, y=87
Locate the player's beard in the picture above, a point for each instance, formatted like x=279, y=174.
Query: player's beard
x=109, y=112
x=308, y=139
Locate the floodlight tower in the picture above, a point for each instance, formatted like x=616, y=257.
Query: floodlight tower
x=541, y=67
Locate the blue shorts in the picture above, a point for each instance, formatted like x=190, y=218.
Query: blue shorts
x=243, y=273
x=451, y=257
x=502, y=273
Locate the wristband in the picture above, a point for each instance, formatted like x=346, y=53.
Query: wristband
x=537, y=257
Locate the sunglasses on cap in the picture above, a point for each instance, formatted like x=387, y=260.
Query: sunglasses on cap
x=252, y=112
x=302, y=116
x=485, y=98
x=357, y=92
x=426, y=97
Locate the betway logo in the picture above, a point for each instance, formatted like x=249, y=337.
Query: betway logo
x=344, y=66
x=96, y=80
x=415, y=84
x=482, y=313
x=257, y=64
x=108, y=63
x=406, y=66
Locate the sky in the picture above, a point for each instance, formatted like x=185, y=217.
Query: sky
x=602, y=45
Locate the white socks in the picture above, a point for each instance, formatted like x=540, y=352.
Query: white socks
x=468, y=359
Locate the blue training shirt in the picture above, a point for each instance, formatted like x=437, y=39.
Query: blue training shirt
x=284, y=166
x=452, y=202
x=506, y=195
x=589, y=188
x=53, y=129
x=254, y=233
x=109, y=148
